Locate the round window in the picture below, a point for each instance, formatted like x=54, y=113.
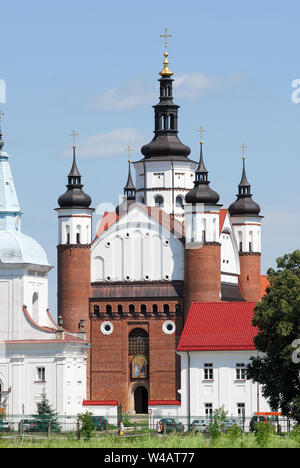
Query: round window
x=169, y=327
x=107, y=328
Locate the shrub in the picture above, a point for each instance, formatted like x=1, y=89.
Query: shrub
x=264, y=433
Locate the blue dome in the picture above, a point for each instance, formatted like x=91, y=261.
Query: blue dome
x=16, y=247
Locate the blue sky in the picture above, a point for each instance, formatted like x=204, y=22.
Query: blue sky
x=93, y=66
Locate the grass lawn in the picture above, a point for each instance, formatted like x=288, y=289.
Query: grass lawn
x=154, y=442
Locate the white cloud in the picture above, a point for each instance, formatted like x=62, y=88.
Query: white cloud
x=112, y=143
x=140, y=92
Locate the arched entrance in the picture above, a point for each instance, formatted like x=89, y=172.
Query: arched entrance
x=141, y=400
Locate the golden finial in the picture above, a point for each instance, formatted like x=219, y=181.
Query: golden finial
x=74, y=135
x=129, y=150
x=201, y=131
x=166, y=71
x=243, y=147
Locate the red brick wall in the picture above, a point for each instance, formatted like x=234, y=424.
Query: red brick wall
x=249, y=279
x=202, y=275
x=74, y=284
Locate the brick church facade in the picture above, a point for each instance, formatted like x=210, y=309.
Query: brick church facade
x=167, y=245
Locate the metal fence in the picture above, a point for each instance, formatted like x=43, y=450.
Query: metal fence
x=132, y=424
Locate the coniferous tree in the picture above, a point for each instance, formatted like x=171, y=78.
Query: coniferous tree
x=46, y=415
x=277, y=317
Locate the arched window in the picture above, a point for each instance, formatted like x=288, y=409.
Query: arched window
x=78, y=234
x=138, y=341
x=166, y=309
x=131, y=309
x=159, y=201
x=251, y=241
x=109, y=310
x=172, y=122
x=240, y=241
x=35, y=306
x=179, y=202
x=120, y=310
x=97, y=310
x=155, y=309
x=143, y=309
x=68, y=237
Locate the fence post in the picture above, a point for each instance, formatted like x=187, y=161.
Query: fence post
x=78, y=430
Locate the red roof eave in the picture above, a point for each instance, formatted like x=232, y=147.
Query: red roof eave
x=100, y=402
x=164, y=402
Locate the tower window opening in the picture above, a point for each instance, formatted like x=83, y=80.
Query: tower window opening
x=78, y=238
x=241, y=246
x=120, y=310
x=109, y=310
x=131, y=309
x=166, y=309
x=159, y=201
x=250, y=246
x=155, y=309
x=143, y=309
x=179, y=202
x=97, y=310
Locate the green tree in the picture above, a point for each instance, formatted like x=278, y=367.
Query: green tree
x=45, y=416
x=87, y=427
x=277, y=317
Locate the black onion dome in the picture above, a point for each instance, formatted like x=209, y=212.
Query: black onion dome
x=244, y=205
x=74, y=196
x=202, y=193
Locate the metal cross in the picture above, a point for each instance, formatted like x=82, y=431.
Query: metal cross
x=166, y=35
x=201, y=131
x=1, y=115
x=74, y=135
x=243, y=147
x=129, y=150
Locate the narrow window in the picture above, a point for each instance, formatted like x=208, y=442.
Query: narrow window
x=41, y=374
x=155, y=309
x=240, y=371
x=241, y=410
x=109, y=310
x=208, y=410
x=208, y=371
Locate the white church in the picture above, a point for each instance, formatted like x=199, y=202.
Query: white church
x=36, y=355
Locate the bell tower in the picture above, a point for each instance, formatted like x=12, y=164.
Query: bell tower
x=246, y=222
x=202, y=258
x=73, y=251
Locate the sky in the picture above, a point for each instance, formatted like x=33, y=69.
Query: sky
x=93, y=66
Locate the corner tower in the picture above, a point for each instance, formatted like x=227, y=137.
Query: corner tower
x=246, y=222
x=202, y=258
x=73, y=251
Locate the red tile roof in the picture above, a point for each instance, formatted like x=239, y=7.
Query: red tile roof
x=100, y=402
x=163, y=402
x=171, y=224
x=223, y=214
x=219, y=326
x=264, y=283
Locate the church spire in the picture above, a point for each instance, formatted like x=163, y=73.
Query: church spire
x=202, y=193
x=74, y=196
x=166, y=143
x=1, y=140
x=244, y=205
x=129, y=189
